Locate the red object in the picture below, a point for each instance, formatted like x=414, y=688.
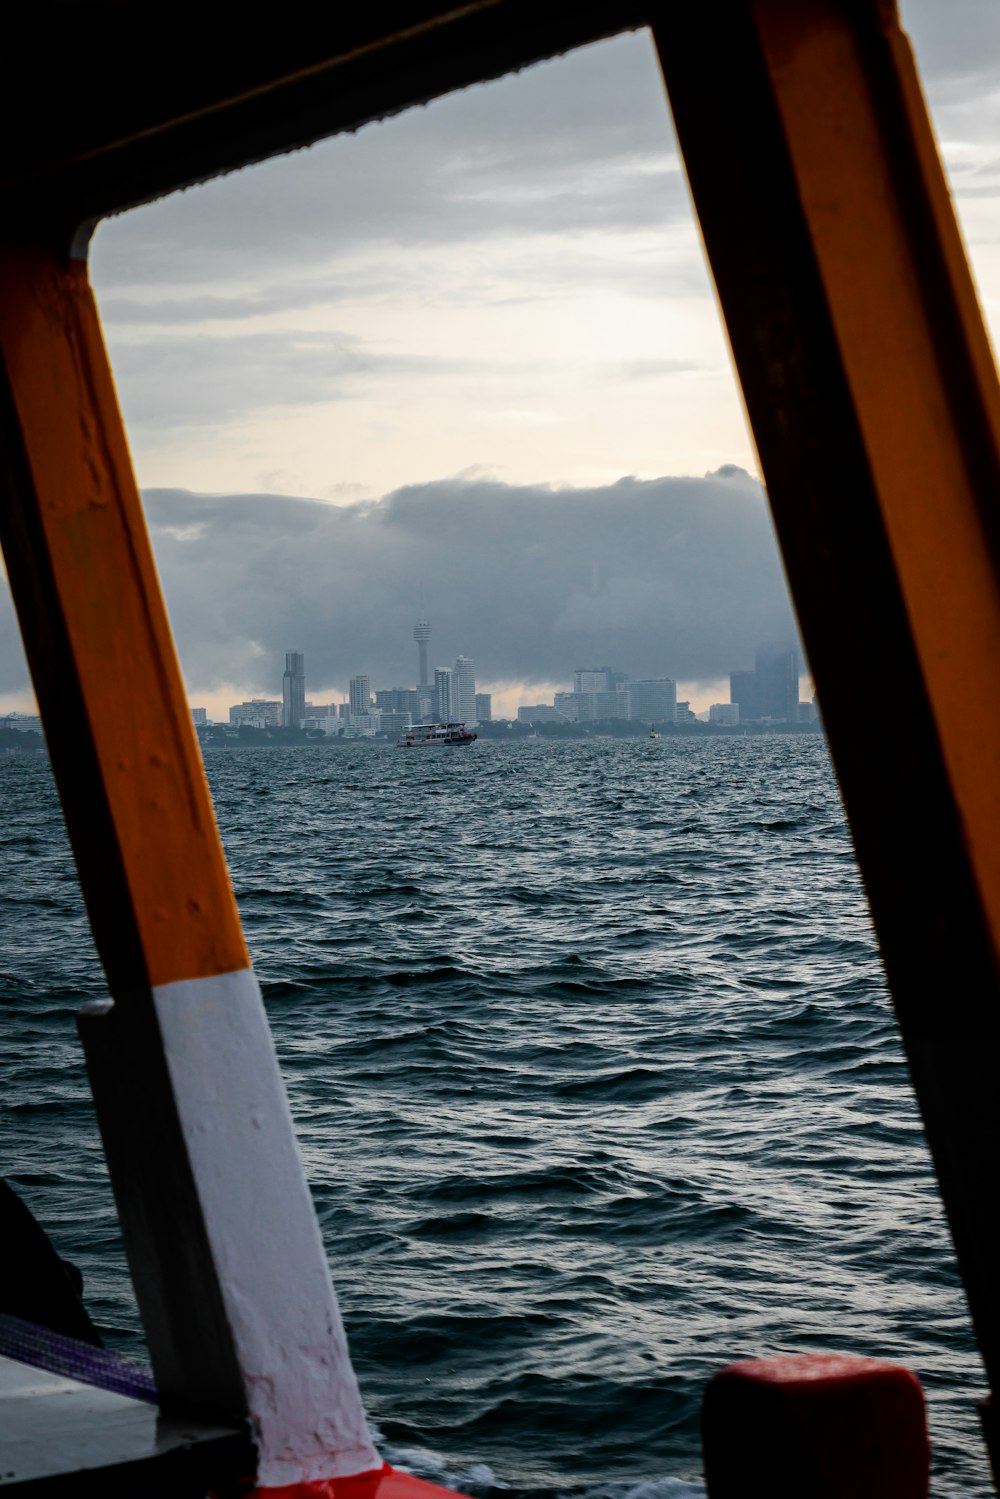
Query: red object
x=815, y=1426
x=379, y=1483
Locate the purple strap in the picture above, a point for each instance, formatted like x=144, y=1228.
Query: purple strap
x=42, y=1349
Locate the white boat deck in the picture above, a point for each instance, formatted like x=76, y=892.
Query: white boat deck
x=56, y=1433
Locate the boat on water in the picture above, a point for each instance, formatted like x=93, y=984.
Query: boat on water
x=435, y=735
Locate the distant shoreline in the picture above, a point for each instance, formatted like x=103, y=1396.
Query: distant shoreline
x=502, y=731
x=505, y=733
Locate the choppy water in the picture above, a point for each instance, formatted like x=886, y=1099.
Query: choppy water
x=595, y=1077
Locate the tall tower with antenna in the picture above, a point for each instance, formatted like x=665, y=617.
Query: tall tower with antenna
x=422, y=634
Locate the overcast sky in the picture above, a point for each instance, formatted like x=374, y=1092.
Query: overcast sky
x=459, y=331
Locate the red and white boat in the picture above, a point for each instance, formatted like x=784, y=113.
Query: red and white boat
x=435, y=735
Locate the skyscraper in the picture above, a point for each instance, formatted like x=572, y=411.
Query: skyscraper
x=744, y=690
x=399, y=700
x=464, y=694
x=653, y=700
x=778, y=683
x=258, y=713
x=444, y=695
x=772, y=690
x=422, y=634
x=360, y=695
x=593, y=679
x=293, y=690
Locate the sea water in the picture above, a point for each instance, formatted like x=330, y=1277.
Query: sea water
x=595, y=1076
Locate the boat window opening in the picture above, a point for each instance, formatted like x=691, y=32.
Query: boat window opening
x=363, y=386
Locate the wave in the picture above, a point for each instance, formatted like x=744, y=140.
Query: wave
x=605, y=1097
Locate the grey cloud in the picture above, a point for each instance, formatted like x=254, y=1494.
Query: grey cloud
x=517, y=276
x=203, y=379
x=199, y=378
x=953, y=39
x=974, y=180
x=571, y=146
x=208, y=308
x=582, y=142
x=676, y=576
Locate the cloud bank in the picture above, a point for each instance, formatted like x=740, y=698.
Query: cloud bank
x=675, y=576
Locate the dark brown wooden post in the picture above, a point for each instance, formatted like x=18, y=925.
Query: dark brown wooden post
x=875, y=408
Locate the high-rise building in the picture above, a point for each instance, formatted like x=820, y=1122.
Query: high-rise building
x=422, y=634
x=360, y=694
x=592, y=707
x=540, y=713
x=594, y=679
x=744, y=690
x=200, y=717
x=484, y=707
x=362, y=725
x=444, y=695
x=393, y=723
x=724, y=713
x=772, y=690
x=612, y=704
x=323, y=719
x=23, y=723
x=653, y=700
x=465, y=691
x=258, y=713
x=293, y=690
x=399, y=700
x=778, y=683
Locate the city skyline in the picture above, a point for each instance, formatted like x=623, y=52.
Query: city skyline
x=767, y=692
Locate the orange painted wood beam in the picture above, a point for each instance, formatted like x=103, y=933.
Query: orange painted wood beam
x=916, y=357
x=226, y=1256
x=874, y=404
x=98, y=643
